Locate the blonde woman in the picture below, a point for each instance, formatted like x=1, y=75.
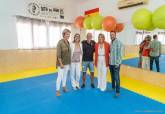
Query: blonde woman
x=63, y=61
x=102, y=61
x=76, y=58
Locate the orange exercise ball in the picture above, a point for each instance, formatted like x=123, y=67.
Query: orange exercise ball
x=119, y=27
x=109, y=23
x=79, y=22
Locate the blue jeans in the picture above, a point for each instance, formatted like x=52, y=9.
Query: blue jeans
x=87, y=64
x=156, y=59
x=115, y=77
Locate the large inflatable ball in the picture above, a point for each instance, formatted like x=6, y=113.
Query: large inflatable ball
x=79, y=22
x=87, y=22
x=151, y=28
x=119, y=27
x=109, y=23
x=142, y=19
x=96, y=22
x=158, y=18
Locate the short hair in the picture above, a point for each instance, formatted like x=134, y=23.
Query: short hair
x=65, y=31
x=89, y=33
x=113, y=32
x=75, y=37
x=155, y=36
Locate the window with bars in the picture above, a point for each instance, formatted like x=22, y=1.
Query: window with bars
x=34, y=33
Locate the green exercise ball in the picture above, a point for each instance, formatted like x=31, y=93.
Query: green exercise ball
x=158, y=18
x=151, y=28
x=142, y=19
x=87, y=22
x=96, y=22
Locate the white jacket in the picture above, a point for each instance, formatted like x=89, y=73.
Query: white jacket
x=72, y=46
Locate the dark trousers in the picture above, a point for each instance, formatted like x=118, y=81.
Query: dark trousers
x=115, y=77
x=156, y=59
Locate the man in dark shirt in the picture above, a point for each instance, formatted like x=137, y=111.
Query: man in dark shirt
x=87, y=59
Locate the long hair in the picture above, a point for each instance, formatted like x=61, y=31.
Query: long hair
x=101, y=35
x=148, y=37
x=77, y=34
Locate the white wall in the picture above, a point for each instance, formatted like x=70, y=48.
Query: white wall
x=73, y=8
x=109, y=7
x=10, y=8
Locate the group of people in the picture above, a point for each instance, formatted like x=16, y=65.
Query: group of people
x=150, y=51
x=86, y=54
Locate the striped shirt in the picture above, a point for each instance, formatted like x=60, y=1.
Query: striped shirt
x=116, y=52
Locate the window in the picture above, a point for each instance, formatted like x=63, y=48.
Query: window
x=140, y=35
x=53, y=38
x=24, y=27
x=95, y=34
x=39, y=35
x=33, y=33
x=161, y=37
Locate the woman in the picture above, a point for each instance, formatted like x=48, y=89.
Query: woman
x=76, y=58
x=140, y=52
x=145, y=53
x=63, y=61
x=102, y=61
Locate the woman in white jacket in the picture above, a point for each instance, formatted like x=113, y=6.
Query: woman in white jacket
x=76, y=58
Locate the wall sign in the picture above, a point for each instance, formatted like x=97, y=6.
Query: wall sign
x=45, y=11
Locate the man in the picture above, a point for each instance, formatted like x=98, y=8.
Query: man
x=115, y=61
x=87, y=59
x=155, y=53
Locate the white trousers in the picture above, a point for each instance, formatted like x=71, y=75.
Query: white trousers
x=102, y=74
x=75, y=74
x=145, y=62
x=62, y=76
